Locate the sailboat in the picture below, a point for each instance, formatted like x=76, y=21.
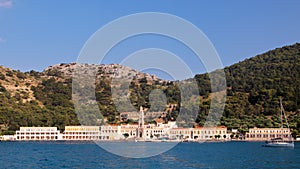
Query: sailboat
x=280, y=141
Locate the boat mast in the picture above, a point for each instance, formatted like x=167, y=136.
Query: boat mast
x=282, y=114
x=281, y=110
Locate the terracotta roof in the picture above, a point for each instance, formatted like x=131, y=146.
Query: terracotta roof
x=159, y=120
x=210, y=127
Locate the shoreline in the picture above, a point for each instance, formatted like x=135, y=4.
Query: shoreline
x=126, y=141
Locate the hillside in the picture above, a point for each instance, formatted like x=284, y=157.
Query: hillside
x=44, y=98
x=254, y=87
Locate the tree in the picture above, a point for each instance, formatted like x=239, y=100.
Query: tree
x=21, y=75
x=2, y=88
x=2, y=76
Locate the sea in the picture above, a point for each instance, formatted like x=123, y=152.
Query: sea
x=184, y=156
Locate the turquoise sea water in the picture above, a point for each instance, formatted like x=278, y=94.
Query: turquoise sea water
x=184, y=156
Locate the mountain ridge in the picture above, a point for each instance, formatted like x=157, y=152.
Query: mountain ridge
x=253, y=89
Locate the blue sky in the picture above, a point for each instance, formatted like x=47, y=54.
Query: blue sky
x=36, y=34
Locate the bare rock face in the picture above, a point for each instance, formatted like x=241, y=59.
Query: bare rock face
x=19, y=84
x=103, y=70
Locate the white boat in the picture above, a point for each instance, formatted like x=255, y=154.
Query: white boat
x=280, y=141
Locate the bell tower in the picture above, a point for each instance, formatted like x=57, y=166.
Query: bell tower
x=140, y=133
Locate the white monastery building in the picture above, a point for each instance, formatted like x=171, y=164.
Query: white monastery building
x=38, y=133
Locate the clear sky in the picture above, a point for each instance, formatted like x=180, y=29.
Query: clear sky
x=35, y=34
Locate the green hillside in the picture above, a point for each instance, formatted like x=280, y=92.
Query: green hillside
x=254, y=88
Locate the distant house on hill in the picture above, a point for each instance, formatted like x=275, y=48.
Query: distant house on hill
x=129, y=115
x=135, y=115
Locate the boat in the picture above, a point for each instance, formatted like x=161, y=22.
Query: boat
x=280, y=141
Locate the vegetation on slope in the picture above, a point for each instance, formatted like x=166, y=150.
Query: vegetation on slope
x=254, y=87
